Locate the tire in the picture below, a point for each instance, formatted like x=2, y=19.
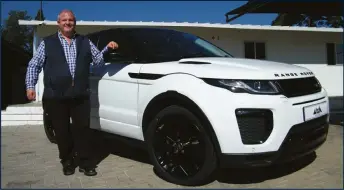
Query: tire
x=196, y=153
x=48, y=128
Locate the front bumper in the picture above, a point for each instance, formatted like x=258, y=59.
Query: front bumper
x=302, y=139
x=237, y=134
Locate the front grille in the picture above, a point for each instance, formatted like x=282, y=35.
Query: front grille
x=255, y=125
x=299, y=87
x=305, y=136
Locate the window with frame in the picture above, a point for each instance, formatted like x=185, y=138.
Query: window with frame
x=255, y=50
x=94, y=39
x=334, y=53
x=125, y=51
x=161, y=45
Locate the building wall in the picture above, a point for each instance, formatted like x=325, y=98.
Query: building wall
x=306, y=49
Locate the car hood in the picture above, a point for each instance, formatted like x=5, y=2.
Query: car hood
x=229, y=68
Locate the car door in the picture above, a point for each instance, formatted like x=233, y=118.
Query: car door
x=114, y=92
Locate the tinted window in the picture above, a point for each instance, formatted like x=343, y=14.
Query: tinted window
x=94, y=39
x=157, y=45
x=109, y=35
x=125, y=50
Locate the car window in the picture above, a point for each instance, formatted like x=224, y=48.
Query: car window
x=125, y=51
x=93, y=38
x=158, y=45
x=106, y=36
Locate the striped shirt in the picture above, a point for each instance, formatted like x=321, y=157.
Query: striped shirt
x=36, y=63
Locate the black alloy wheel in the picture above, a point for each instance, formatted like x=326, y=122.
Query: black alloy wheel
x=48, y=128
x=180, y=149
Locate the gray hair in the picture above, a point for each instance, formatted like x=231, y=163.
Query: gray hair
x=66, y=11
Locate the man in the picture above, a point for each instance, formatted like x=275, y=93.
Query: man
x=65, y=58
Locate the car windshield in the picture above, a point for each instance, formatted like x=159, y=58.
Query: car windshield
x=157, y=45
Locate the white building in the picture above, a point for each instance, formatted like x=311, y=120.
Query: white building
x=319, y=49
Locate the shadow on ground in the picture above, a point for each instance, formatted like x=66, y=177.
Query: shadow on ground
x=106, y=144
x=247, y=176
x=109, y=144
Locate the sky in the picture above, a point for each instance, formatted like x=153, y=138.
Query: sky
x=167, y=11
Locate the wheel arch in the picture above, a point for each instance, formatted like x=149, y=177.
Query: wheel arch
x=175, y=98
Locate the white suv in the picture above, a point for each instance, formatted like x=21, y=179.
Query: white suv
x=197, y=108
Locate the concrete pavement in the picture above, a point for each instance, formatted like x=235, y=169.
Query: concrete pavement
x=28, y=160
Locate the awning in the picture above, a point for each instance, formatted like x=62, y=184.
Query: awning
x=47, y=27
x=325, y=8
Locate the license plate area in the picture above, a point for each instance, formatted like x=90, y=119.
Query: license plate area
x=315, y=111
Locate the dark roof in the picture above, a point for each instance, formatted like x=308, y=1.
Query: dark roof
x=319, y=8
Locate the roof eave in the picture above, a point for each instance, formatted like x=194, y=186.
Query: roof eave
x=30, y=22
x=184, y=24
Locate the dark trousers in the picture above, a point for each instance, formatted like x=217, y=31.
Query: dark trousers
x=75, y=138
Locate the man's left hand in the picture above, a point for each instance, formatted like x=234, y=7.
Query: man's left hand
x=112, y=45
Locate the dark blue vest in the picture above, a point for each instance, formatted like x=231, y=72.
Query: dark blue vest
x=58, y=81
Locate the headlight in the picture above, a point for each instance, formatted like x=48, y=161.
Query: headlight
x=318, y=83
x=246, y=86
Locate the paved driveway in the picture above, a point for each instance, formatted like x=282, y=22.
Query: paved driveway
x=29, y=160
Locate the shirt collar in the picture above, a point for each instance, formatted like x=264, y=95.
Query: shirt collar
x=61, y=36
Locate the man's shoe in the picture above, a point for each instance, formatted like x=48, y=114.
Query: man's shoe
x=88, y=171
x=68, y=167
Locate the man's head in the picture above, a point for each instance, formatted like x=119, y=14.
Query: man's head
x=66, y=22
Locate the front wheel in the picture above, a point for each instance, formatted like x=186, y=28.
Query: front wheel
x=180, y=148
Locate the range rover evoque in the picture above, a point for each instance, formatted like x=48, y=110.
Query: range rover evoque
x=198, y=108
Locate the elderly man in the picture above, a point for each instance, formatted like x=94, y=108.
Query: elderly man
x=65, y=58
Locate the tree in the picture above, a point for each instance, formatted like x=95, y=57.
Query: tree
x=40, y=15
x=308, y=20
x=21, y=36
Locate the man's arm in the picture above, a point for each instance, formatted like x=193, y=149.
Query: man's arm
x=35, y=67
x=97, y=55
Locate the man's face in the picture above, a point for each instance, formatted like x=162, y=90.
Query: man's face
x=66, y=22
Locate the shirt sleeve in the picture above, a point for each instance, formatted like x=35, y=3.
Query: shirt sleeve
x=97, y=56
x=35, y=67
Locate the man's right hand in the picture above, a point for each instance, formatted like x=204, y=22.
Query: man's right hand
x=31, y=94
